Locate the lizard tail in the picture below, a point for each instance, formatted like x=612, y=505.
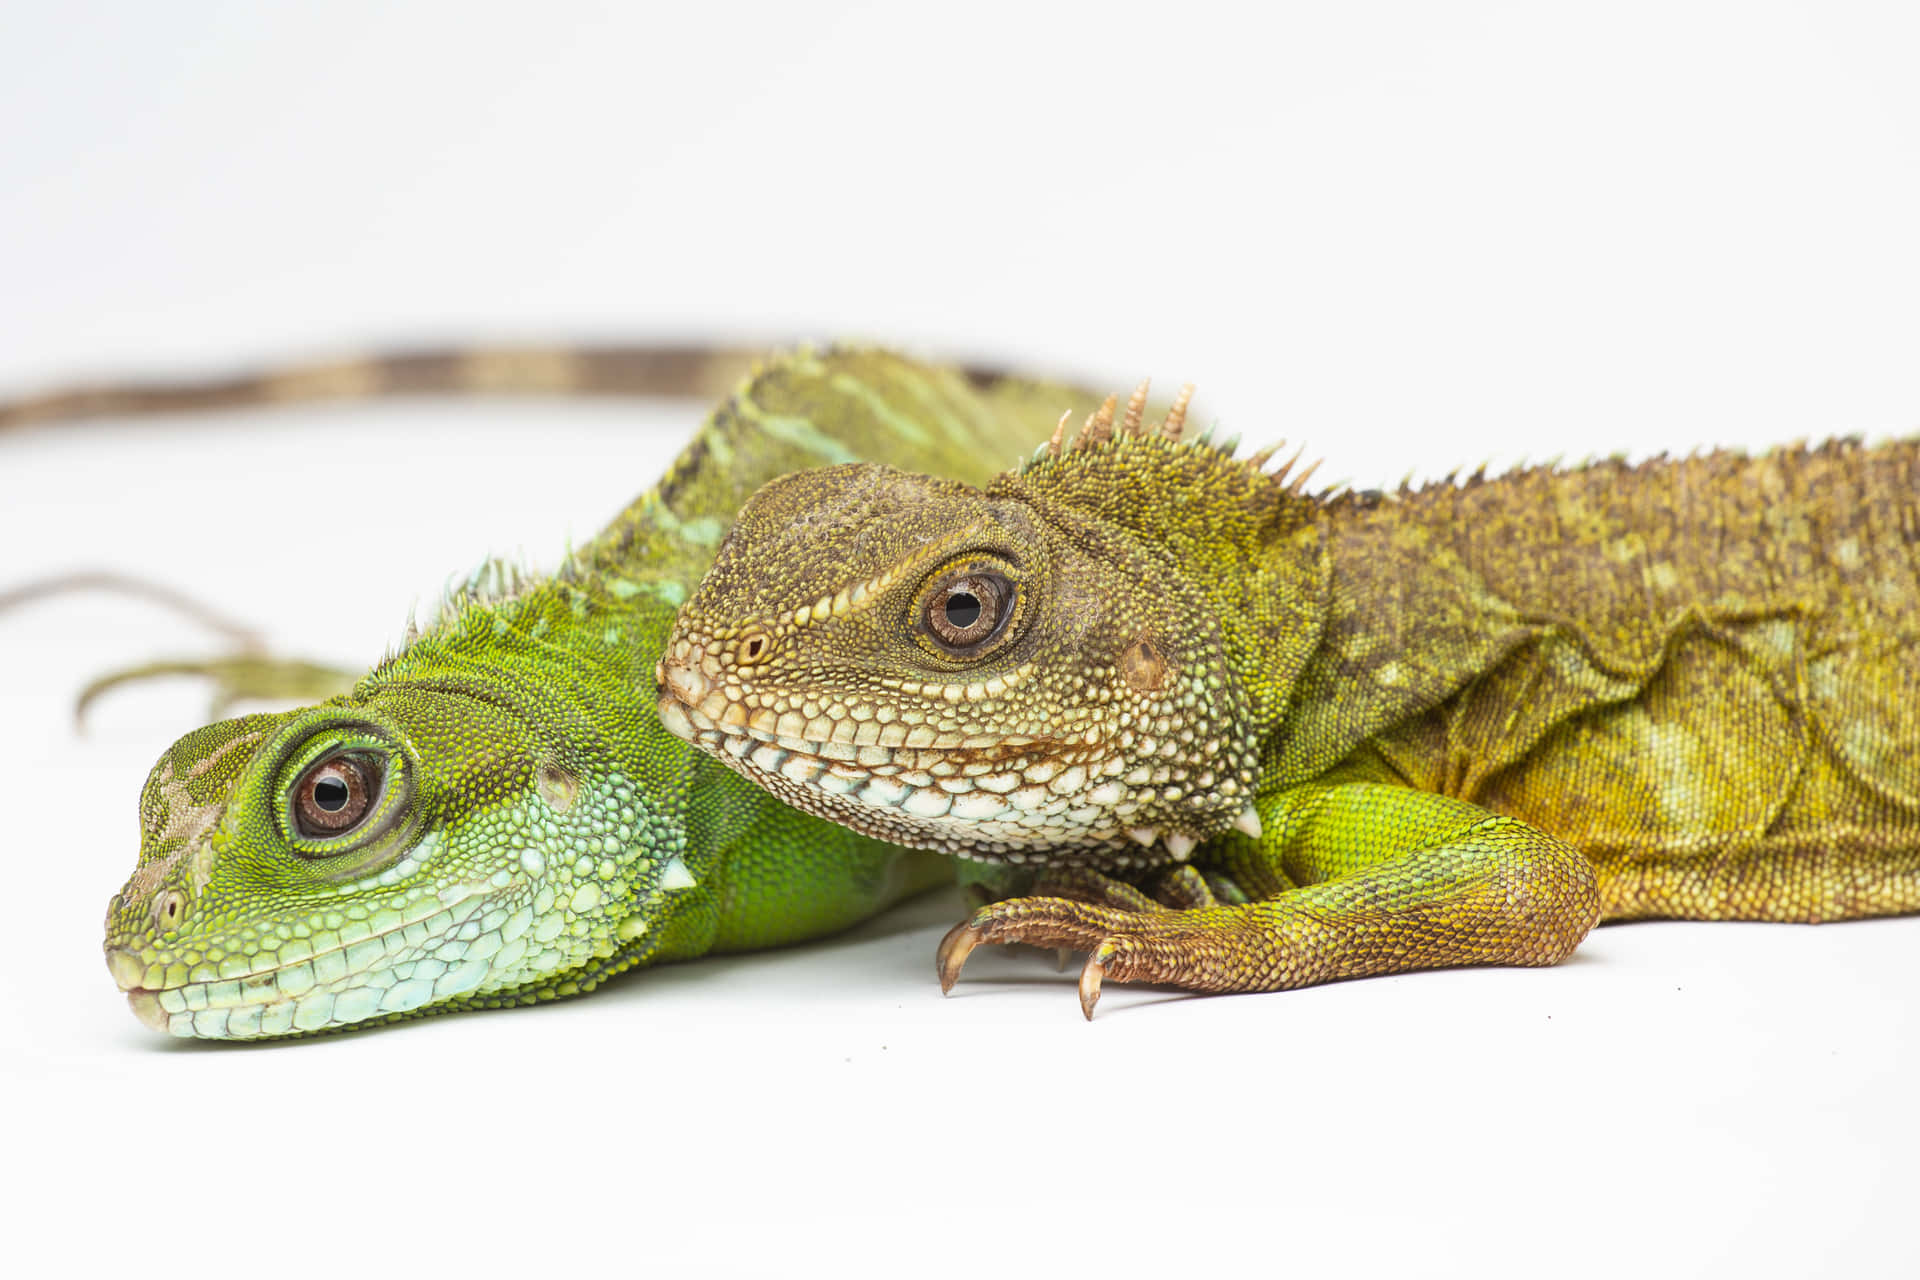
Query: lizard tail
x=689, y=370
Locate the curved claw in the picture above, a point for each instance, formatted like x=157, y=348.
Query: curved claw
x=1090, y=985
x=953, y=952
x=951, y=957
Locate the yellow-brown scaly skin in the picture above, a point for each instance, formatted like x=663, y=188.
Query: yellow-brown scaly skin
x=1700, y=672
x=1485, y=715
x=994, y=757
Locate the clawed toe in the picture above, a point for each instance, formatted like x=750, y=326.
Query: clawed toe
x=955, y=947
x=989, y=925
x=1090, y=975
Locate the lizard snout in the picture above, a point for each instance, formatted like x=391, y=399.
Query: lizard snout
x=126, y=967
x=683, y=680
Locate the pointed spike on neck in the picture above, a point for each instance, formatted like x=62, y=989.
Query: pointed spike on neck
x=1176, y=419
x=1059, y=434
x=1099, y=424
x=1280, y=472
x=1136, y=409
x=1299, y=482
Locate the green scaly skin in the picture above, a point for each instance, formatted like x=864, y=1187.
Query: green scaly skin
x=530, y=828
x=1251, y=739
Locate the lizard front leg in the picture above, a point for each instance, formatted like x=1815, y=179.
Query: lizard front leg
x=1349, y=880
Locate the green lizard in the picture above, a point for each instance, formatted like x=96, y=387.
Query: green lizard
x=493, y=815
x=1253, y=739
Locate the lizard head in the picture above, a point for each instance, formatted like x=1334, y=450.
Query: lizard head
x=983, y=672
x=457, y=832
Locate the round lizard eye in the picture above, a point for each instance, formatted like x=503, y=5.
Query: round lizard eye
x=968, y=610
x=334, y=796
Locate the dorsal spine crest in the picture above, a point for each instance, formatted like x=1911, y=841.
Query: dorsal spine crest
x=1100, y=431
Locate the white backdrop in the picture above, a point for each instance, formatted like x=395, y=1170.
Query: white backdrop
x=1413, y=236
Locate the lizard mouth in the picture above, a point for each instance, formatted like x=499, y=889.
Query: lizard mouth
x=994, y=797
x=387, y=972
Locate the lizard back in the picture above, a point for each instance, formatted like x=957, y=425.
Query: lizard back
x=1699, y=672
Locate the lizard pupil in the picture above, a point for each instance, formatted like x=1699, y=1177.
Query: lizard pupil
x=331, y=794
x=963, y=609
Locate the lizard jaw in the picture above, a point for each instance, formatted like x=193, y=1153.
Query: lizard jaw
x=990, y=799
x=322, y=989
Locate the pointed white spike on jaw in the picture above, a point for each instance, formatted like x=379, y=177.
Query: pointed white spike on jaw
x=1143, y=835
x=1180, y=845
x=676, y=876
x=1249, y=822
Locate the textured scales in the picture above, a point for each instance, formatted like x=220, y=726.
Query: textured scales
x=792, y=665
x=534, y=829
x=1471, y=718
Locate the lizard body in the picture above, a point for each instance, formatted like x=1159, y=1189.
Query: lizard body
x=1335, y=736
x=493, y=815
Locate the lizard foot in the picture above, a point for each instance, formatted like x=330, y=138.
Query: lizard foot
x=1142, y=942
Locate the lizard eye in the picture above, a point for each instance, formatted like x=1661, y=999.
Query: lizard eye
x=335, y=796
x=967, y=611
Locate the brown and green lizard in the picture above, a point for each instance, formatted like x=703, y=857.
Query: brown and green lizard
x=1232, y=736
x=493, y=814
